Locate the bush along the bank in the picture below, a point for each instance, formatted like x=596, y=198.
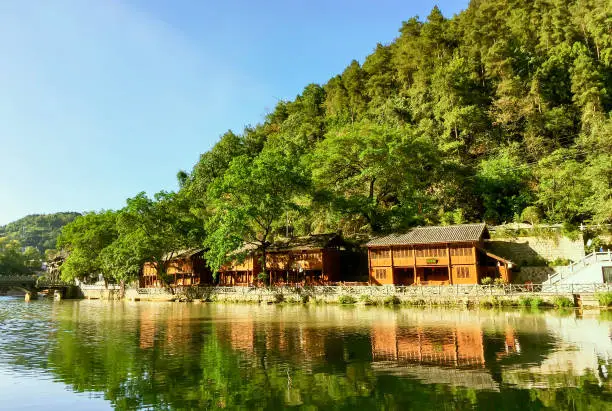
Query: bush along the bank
x=562, y=302
x=347, y=299
x=533, y=302
x=366, y=300
x=605, y=299
x=391, y=300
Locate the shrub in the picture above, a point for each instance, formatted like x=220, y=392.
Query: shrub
x=605, y=299
x=536, y=302
x=559, y=262
x=499, y=281
x=507, y=302
x=279, y=297
x=489, y=302
x=391, y=300
x=525, y=301
x=366, y=300
x=562, y=302
x=305, y=298
x=486, y=281
x=346, y=299
x=418, y=303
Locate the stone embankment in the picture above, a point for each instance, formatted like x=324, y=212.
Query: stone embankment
x=444, y=295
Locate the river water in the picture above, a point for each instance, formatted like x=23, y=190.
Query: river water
x=119, y=355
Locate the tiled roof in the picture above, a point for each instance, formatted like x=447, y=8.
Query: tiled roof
x=187, y=253
x=309, y=242
x=432, y=235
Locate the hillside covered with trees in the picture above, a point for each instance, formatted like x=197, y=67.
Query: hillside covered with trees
x=38, y=230
x=500, y=113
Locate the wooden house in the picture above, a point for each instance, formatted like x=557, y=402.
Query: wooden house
x=186, y=268
x=435, y=256
x=243, y=270
x=314, y=260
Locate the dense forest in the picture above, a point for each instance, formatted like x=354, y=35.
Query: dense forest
x=24, y=242
x=38, y=230
x=499, y=114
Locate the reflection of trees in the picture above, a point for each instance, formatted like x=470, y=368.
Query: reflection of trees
x=184, y=356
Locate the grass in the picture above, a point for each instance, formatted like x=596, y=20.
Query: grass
x=391, y=300
x=347, y=299
x=605, y=299
x=366, y=300
x=533, y=302
x=562, y=302
x=489, y=302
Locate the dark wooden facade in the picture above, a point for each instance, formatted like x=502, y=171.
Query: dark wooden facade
x=310, y=260
x=435, y=256
x=185, y=269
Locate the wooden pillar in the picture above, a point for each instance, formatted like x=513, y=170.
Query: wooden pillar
x=475, y=263
x=392, y=266
x=450, y=274
x=414, y=264
x=369, y=267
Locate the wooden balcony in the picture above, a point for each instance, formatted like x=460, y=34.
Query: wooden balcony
x=432, y=261
x=380, y=262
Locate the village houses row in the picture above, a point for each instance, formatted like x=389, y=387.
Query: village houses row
x=423, y=256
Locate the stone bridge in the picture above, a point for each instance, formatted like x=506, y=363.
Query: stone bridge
x=32, y=285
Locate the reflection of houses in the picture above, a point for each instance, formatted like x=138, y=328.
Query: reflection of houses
x=185, y=268
x=435, y=255
x=459, y=346
x=148, y=327
x=313, y=259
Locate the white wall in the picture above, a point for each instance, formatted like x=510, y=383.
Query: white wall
x=590, y=274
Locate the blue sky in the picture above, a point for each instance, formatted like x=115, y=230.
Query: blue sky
x=102, y=99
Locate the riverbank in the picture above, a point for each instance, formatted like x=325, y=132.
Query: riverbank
x=583, y=295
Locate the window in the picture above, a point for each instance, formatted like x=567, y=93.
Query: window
x=402, y=253
x=607, y=274
x=462, y=272
x=461, y=252
x=431, y=251
x=376, y=254
x=380, y=273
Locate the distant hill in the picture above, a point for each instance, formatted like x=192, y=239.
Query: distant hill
x=38, y=230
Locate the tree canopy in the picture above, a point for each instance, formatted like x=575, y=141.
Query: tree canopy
x=500, y=113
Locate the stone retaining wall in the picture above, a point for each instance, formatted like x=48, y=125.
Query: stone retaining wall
x=536, y=275
x=456, y=295
x=529, y=251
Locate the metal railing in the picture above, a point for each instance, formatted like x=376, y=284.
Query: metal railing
x=573, y=268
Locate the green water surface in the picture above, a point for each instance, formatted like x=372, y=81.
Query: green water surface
x=104, y=355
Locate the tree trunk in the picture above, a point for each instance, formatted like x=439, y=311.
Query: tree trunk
x=264, y=256
x=121, y=289
x=372, y=181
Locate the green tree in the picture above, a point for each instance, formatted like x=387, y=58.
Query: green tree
x=84, y=239
x=374, y=171
x=249, y=202
x=153, y=230
x=17, y=260
x=503, y=184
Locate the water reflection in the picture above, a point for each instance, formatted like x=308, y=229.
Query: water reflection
x=139, y=355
